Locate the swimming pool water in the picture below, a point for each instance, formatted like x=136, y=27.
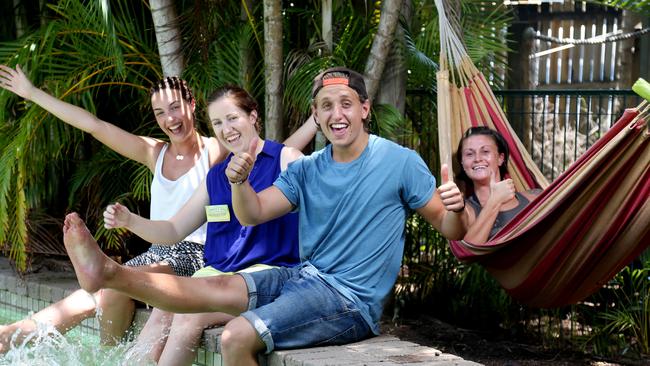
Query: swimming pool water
x=50, y=348
x=79, y=347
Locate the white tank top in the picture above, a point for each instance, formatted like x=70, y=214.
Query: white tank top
x=168, y=196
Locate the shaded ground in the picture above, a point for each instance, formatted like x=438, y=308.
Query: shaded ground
x=489, y=349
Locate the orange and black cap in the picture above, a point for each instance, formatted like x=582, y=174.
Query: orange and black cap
x=340, y=76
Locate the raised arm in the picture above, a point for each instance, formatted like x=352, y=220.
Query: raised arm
x=500, y=192
x=446, y=211
x=250, y=207
x=303, y=135
x=479, y=227
x=189, y=218
x=138, y=148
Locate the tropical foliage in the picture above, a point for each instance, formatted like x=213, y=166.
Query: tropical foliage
x=640, y=7
x=621, y=313
x=102, y=55
x=83, y=57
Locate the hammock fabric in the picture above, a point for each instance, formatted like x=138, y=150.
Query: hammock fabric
x=584, y=227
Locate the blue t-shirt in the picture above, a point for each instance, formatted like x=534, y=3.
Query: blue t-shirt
x=352, y=217
x=230, y=246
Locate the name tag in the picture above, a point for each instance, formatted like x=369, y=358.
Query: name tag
x=217, y=213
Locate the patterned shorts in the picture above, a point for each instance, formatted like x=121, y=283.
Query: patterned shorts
x=184, y=258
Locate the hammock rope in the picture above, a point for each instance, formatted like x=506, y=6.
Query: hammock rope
x=594, y=40
x=584, y=226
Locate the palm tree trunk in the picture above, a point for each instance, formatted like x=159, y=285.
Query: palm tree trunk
x=42, y=8
x=19, y=19
x=247, y=60
x=326, y=25
x=273, y=69
x=326, y=7
x=393, y=80
x=381, y=45
x=168, y=36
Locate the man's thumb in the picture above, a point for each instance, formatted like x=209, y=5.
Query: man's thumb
x=444, y=173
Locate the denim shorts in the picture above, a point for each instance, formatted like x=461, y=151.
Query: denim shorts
x=295, y=307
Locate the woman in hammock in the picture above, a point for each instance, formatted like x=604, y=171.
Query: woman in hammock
x=491, y=197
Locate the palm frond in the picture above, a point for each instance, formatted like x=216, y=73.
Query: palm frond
x=104, y=55
x=482, y=23
x=388, y=122
x=640, y=7
x=302, y=66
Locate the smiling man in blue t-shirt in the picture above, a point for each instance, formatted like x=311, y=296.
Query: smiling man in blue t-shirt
x=352, y=199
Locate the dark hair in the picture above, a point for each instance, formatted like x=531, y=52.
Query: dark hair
x=502, y=148
x=175, y=83
x=343, y=76
x=242, y=99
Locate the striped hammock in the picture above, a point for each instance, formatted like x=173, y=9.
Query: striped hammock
x=585, y=226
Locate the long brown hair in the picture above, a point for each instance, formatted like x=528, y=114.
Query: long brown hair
x=502, y=148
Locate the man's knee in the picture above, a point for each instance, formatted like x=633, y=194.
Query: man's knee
x=240, y=336
x=232, y=292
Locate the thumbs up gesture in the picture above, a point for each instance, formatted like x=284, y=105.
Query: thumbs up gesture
x=501, y=191
x=241, y=163
x=449, y=193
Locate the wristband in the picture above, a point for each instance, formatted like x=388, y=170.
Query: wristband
x=243, y=180
x=461, y=209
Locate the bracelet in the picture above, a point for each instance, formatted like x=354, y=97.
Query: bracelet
x=243, y=180
x=461, y=210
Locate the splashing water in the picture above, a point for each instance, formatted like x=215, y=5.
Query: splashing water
x=47, y=347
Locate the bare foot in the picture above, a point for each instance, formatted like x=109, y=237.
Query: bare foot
x=6, y=331
x=15, y=332
x=92, y=266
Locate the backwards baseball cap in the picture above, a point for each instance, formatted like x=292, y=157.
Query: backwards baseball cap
x=340, y=76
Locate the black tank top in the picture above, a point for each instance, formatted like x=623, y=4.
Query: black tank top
x=503, y=217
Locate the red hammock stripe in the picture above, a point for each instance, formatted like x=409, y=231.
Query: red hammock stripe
x=499, y=123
